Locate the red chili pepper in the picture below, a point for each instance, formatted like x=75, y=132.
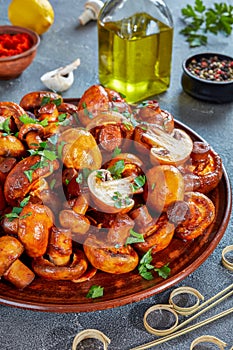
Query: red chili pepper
x=14, y=44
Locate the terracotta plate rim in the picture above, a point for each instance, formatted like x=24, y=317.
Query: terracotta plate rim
x=96, y=304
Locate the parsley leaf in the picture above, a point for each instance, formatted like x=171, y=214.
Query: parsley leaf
x=25, y=119
x=199, y=20
x=29, y=174
x=139, y=182
x=145, y=267
x=134, y=237
x=5, y=126
x=163, y=271
x=116, y=151
x=117, y=169
x=95, y=292
x=120, y=201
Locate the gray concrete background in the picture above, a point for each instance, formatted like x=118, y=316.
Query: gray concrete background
x=64, y=42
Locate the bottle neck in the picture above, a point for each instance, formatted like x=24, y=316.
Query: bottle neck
x=118, y=10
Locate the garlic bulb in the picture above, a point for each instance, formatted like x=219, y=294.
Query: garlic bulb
x=61, y=78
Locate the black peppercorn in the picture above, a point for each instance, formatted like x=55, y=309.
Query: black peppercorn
x=212, y=68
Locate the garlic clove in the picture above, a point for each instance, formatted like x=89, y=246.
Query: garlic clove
x=61, y=78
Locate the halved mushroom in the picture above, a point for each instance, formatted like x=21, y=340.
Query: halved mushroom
x=172, y=149
x=132, y=164
x=109, y=195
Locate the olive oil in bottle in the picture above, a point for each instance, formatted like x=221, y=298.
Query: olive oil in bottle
x=135, y=52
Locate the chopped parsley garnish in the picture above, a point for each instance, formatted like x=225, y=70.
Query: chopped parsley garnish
x=145, y=267
x=47, y=99
x=117, y=169
x=134, y=237
x=163, y=271
x=60, y=148
x=79, y=178
x=25, y=119
x=17, y=210
x=116, y=152
x=120, y=201
x=139, y=182
x=99, y=175
x=95, y=292
x=29, y=174
x=52, y=184
x=86, y=112
x=127, y=125
x=5, y=126
x=62, y=120
x=122, y=95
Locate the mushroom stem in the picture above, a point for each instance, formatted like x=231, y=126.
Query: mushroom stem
x=91, y=12
x=33, y=140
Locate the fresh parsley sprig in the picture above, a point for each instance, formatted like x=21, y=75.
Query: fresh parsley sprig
x=15, y=213
x=117, y=169
x=146, y=269
x=5, y=127
x=134, y=237
x=201, y=20
x=95, y=292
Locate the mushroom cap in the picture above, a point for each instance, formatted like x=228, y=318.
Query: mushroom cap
x=165, y=186
x=26, y=128
x=11, y=146
x=10, y=250
x=80, y=149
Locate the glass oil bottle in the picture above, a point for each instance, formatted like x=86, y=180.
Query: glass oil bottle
x=135, y=47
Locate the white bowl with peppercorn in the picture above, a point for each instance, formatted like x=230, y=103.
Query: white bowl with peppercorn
x=209, y=77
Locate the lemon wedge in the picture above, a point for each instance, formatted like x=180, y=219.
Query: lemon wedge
x=37, y=15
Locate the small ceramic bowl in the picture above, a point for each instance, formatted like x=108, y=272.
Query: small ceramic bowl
x=211, y=84
x=12, y=66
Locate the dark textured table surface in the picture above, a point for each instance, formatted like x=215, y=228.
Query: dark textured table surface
x=64, y=42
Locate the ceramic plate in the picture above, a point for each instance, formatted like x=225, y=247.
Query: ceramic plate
x=184, y=258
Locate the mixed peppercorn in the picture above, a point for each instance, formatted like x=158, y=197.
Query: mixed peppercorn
x=14, y=44
x=212, y=68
